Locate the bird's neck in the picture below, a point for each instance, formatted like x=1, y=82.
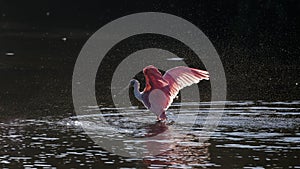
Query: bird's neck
x=137, y=92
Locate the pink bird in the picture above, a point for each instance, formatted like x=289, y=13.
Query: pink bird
x=160, y=89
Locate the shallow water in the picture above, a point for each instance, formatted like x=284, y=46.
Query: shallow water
x=249, y=135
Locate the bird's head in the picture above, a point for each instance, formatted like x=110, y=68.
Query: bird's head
x=133, y=81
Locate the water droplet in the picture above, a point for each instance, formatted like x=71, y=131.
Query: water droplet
x=296, y=84
x=64, y=39
x=47, y=13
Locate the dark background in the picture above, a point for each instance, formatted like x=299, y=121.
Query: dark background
x=258, y=42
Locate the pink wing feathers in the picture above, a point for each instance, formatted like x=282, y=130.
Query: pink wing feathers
x=154, y=79
x=173, y=80
x=180, y=77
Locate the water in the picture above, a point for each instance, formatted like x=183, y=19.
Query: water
x=250, y=135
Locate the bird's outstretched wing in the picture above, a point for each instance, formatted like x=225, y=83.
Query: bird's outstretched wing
x=180, y=77
x=154, y=79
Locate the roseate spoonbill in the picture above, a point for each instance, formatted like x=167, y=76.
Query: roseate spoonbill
x=160, y=89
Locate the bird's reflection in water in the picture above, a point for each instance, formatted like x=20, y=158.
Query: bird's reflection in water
x=157, y=143
x=179, y=152
x=181, y=156
x=156, y=129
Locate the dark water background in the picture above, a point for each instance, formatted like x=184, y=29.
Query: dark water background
x=258, y=43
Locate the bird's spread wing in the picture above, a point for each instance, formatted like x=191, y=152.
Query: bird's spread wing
x=180, y=77
x=154, y=79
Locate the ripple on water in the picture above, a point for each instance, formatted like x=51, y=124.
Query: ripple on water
x=249, y=132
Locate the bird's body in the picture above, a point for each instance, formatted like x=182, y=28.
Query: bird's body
x=161, y=89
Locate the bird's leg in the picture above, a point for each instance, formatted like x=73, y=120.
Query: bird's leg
x=162, y=116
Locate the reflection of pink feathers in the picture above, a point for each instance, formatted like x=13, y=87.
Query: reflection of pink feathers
x=161, y=90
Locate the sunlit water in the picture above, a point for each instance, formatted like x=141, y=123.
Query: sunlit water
x=249, y=135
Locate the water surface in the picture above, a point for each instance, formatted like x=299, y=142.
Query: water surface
x=250, y=135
